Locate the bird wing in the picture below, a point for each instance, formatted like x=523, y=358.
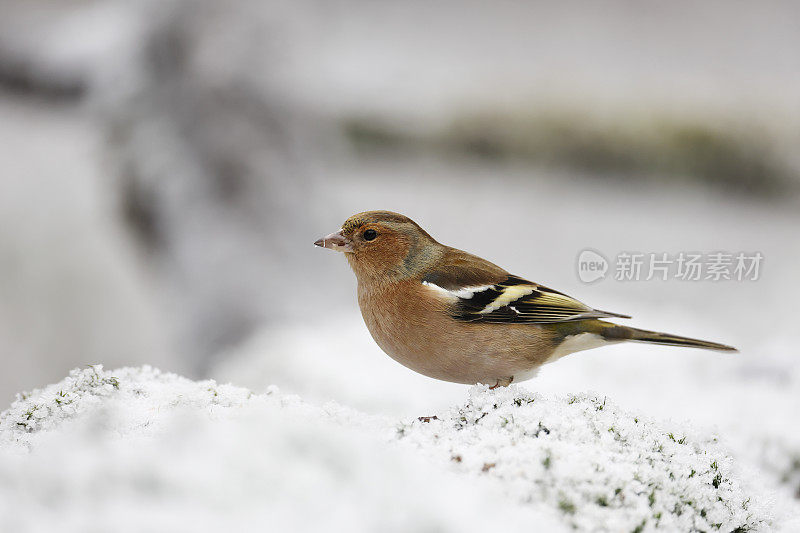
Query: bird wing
x=494, y=296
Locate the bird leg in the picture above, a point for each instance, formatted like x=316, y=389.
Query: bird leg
x=504, y=382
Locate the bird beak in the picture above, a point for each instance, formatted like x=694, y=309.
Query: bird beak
x=335, y=241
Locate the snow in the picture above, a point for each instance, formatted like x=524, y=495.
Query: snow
x=600, y=466
x=136, y=449
x=140, y=450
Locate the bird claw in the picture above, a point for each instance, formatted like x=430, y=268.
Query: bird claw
x=505, y=382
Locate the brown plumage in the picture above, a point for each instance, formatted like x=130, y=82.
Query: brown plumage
x=454, y=316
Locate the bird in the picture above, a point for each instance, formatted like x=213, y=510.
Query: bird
x=453, y=316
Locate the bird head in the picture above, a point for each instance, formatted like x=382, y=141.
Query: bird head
x=382, y=244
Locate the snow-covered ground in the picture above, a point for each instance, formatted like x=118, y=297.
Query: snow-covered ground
x=135, y=449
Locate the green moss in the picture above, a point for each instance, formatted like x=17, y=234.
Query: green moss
x=681, y=440
x=566, y=506
x=547, y=462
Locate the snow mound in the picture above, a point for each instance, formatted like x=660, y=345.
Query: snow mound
x=600, y=466
x=140, y=450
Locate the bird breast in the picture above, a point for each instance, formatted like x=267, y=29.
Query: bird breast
x=413, y=324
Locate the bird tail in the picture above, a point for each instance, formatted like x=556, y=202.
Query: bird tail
x=615, y=332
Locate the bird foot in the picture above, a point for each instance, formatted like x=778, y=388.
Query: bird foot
x=504, y=382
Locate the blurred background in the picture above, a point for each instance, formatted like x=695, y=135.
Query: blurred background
x=166, y=166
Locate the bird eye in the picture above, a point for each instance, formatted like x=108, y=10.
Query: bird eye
x=370, y=235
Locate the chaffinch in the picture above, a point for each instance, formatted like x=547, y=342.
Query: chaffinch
x=453, y=316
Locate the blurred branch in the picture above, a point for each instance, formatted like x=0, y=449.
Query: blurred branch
x=732, y=155
x=21, y=76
